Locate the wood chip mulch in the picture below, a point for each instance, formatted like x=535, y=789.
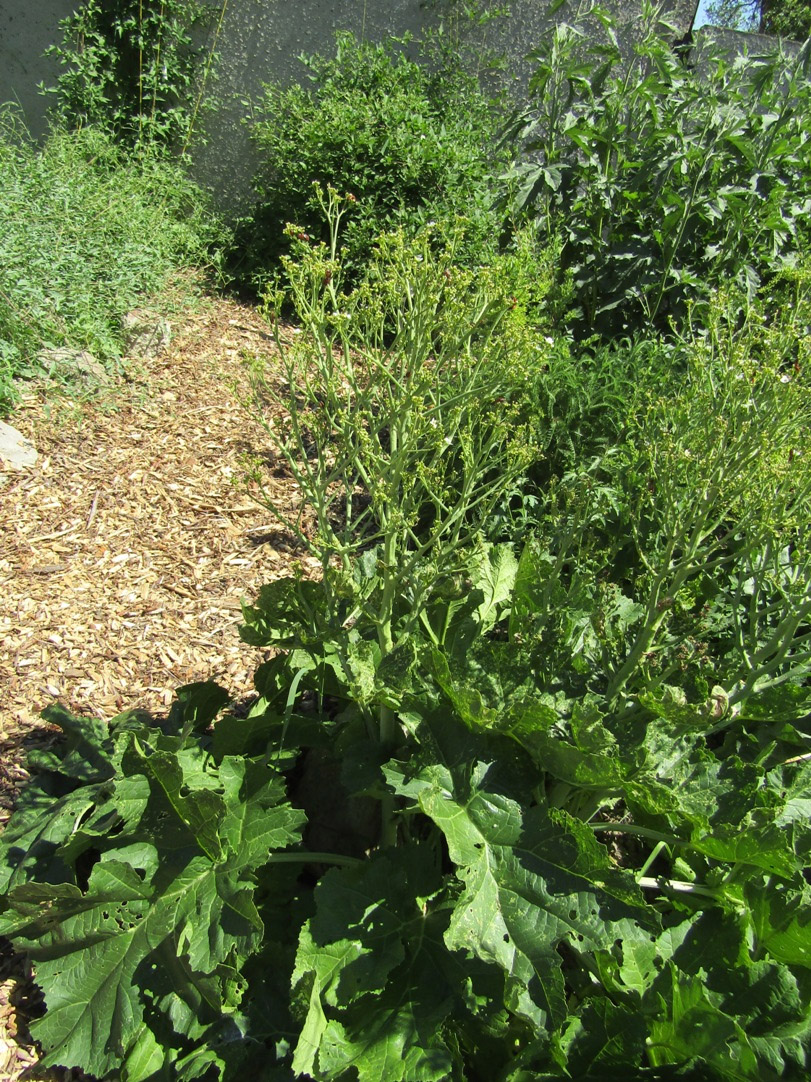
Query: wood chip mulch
x=125, y=552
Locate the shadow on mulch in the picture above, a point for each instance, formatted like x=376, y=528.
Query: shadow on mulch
x=14, y=750
x=282, y=540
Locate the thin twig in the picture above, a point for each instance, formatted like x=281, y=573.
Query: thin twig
x=92, y=514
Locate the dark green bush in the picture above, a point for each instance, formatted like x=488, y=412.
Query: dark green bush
x=410, y=144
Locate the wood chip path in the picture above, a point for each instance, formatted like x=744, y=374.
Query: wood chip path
x=125, y=551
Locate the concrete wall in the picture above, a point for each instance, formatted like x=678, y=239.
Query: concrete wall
x=27, y=28
x=261, y=42
x=712, y=40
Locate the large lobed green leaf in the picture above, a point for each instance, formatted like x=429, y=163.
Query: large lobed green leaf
x=143, y=959
x=534, y=880
x=372, y=974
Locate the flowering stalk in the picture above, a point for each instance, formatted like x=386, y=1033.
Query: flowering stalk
x=397, y=423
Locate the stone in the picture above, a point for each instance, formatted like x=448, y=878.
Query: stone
x=15, y=450
x=73, y=366
x=146, y=334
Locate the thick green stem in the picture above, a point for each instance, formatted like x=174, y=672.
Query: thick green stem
x=388, y=822
x=640, y=832
x=655, y=617
x=678, y=886
x=388, y=722
x=312, y=858
x=652, y=858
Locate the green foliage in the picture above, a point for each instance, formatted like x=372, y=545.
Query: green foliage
x=149, y=849
x=494, y=936
x=789, y=18
x=85, y=232
x=412, y=145
x=786, y=18
x=402, y=404
x=560, y=758
x=582, y=760
x=133, y=68
x=665, y=183
x=672, y=544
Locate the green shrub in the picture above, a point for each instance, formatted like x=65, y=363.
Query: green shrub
x=85, y=232
x=666, y=182
x=411, y=146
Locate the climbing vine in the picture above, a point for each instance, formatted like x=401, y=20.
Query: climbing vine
x=140, y=68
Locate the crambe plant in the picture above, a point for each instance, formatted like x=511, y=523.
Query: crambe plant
x=397, y=415
x=728, y=492
x=676, y=549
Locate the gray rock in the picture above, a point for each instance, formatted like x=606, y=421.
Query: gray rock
x=15, y=450
x=73, y=366
x=146, y=334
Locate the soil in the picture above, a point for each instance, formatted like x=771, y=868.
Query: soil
x=125, y=553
